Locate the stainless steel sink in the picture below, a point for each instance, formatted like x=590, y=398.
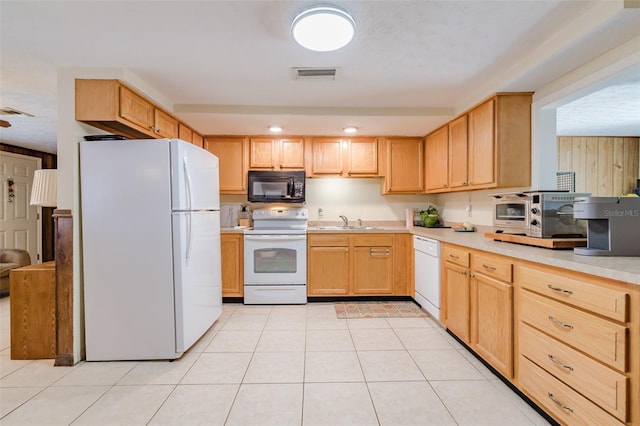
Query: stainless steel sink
x=346, y=228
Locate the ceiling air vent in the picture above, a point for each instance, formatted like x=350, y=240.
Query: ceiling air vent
x=315, y=73
x=12, y=111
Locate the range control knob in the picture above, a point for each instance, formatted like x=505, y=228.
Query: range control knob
x=534, y=222
x=535, y=210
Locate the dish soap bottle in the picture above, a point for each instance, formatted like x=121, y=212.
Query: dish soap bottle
x=243, y=217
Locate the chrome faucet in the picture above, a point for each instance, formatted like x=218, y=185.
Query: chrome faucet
x=359, y=223
x=345, y=220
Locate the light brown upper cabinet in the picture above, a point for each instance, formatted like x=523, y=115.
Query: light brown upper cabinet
x=404, y=172
x=197, y=140
x=489, y=147
x=232, y=152
x=112, y=106
x=276, y=154
x=436, y=148
x=355, y=157
x=185, y=133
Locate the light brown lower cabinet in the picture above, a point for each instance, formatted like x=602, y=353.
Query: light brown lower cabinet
x=232, y=259
x=569, y=341
x=347, y=264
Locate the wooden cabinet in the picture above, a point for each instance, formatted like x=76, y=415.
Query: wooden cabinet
x=373, y=264
x=576, y=347
x=276, y=154
x=232, y=151
x=185, y=132
x=436, y=155
x=492, y=311
x=404, y=173
x=328, y=266
x=197, y=139
x=489, y=146
x=456, y=291
x=355, y=157
x=347, y=264
x=33, y=311
x=112, y=106
x=232, y=258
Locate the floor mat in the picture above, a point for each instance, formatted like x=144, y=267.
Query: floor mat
x=378, y=310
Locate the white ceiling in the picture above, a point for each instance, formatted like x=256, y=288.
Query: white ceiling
x=226, y=65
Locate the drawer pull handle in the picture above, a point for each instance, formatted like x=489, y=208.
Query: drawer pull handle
x=555, y=361
x=453, y=256
x=489, y=267
x=560, y=323
x=558, y=403
x=559, y=290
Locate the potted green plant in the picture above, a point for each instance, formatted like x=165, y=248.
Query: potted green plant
x=429, y=216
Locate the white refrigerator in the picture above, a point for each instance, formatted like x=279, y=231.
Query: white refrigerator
x=150, y=219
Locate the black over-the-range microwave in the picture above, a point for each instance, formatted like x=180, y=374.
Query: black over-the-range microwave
x=275, y=187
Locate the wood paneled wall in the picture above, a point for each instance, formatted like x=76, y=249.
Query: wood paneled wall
x=49, y=161
x=604, y=166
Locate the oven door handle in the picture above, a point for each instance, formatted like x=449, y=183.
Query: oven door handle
x=278, y=238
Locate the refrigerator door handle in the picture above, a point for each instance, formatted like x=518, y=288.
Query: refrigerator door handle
x=187, y=183
x=188, y=224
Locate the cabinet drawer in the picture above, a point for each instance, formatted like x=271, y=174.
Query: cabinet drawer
x=498, y=268
x=331, y=240
x=600, y=384
x=457, y=256
x=578, y=292
x=559, y=399
x=373, y=240
x=599, y=338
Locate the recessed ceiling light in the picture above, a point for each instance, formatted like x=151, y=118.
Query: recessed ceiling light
x=275, y=129
x=350, y=129
x=323, y=28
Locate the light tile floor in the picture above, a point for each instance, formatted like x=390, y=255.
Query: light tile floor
x=272, y=365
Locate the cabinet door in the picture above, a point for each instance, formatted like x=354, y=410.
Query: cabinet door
x=405, y=169
x=482, y=150
x=327, y=157
x=261, y=153
x=492, y=322
x=328, y=271
x=456, y=283
x=232, y=153
x=436, y=154
x=166, y=126
x=363, y=157
x=185, y=133
x=291, y=154
x=197, y=140
x=232, y=256
x=458, y=153
x=136, y=109
x=373, y=270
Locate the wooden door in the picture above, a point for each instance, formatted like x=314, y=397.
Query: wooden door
x=328, y=271
x=19, y=220
x=458, y=153
x=185, y=133
x=492, y=324
x=261, y=153
x=405, y=169
x=327, y=157
x=166, y=126
x=436, y=154
x=373, y=270
x=291, y=154
x=197, y=140
x=232, y=154
x=136, y=109
x=482, y=149
x=232, y=254
x=363, y=157
x=456, y=282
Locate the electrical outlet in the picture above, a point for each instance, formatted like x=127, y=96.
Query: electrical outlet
x=320, y=212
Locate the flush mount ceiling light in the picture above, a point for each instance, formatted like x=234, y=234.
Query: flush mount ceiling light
x=323, y=28
x=350, y=129
x=275, y=129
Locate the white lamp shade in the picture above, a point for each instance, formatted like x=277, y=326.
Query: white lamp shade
x=323, y=28
x=45, y=188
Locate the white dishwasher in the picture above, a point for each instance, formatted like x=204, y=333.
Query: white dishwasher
x=427, y=274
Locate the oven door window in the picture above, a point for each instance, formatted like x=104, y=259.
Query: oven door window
x=511, y=211
x=274, y=261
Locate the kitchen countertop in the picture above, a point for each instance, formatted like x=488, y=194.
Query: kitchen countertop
x=626, y=269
